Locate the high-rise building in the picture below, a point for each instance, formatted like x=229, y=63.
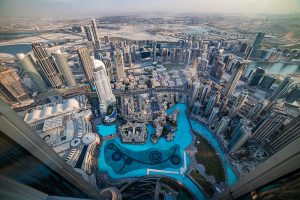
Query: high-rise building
x=30, y=169
x=96, y=35
x=222, y=125
x=289, y=133
x=214, y=99
x=202, y=65
x=267, y=81
x=47, y=65
x=212, y=116
x=205, y=91
x=259, y=38
x=284, y=88
x=154, y=52
x=195, y=91
x=269, y=126
x=64, y=68
x=119, y=60
x=238, y=103
x=89, y=33
x=239, y=138
x=244, y=48
x=12, y=90
x=103, y=86
x=257, y=109
x=234, y=79
x=217, y=71
x=257, y=76
x=294, y=95
x=128, y=57
x=106, y=39
x=86, y=62
x=32, y=72
x=196, y=108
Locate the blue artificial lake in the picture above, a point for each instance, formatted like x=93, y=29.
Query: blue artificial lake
x=120, y=160
x=106, y=130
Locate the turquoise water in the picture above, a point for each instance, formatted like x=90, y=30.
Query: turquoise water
x=140, y=153
x=105, y=130
x=231, y=177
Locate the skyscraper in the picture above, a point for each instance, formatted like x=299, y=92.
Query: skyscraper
x=96, y=35
x=205, y=91
x=257, y=109
x=64, y=68
x=259, y=38
x=195, y=92
x=47, y=65
x=289, y=133
x=86, y=62
x=239, y=138
x=222, y=125
x=257, y=76
x=234, y=79
x=238, y=103
x=285, y=86
x=154, y=51
x=32, y=72
x=212, y=116
x=119, y=60
x=269, y=126
x=89, y=33
x=12, y=90
x=217, y=71
x=103, y=87
x=213, y=100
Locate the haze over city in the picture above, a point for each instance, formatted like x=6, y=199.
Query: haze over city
x=73, y=8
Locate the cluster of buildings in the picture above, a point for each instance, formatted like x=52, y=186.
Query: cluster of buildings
x=252, y=123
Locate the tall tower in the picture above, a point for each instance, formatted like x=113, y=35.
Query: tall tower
x=119, y=60
x=47, y=65
x=239, y=139
x=195, y=91
x=205, y=92
x=103, y=87
x=234, y=79
x=89, y=33
x=269, y=127
x=96, y=35
x=11, y=88
x=238, y=103
x=154, y=51
x=289, y=133
x=285, y=86
x=64, y=68
x=213, y=116
x=32, y=72
x=257, y=109
x=257, y=76
x=222, y=125
x=86, y=62
x=212, y=102
x=259, y=38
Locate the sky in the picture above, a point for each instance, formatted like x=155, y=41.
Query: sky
x=73, y=8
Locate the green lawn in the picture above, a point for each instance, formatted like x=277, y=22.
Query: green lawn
x=206, y=155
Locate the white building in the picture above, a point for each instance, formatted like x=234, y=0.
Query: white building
x=103, y=86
